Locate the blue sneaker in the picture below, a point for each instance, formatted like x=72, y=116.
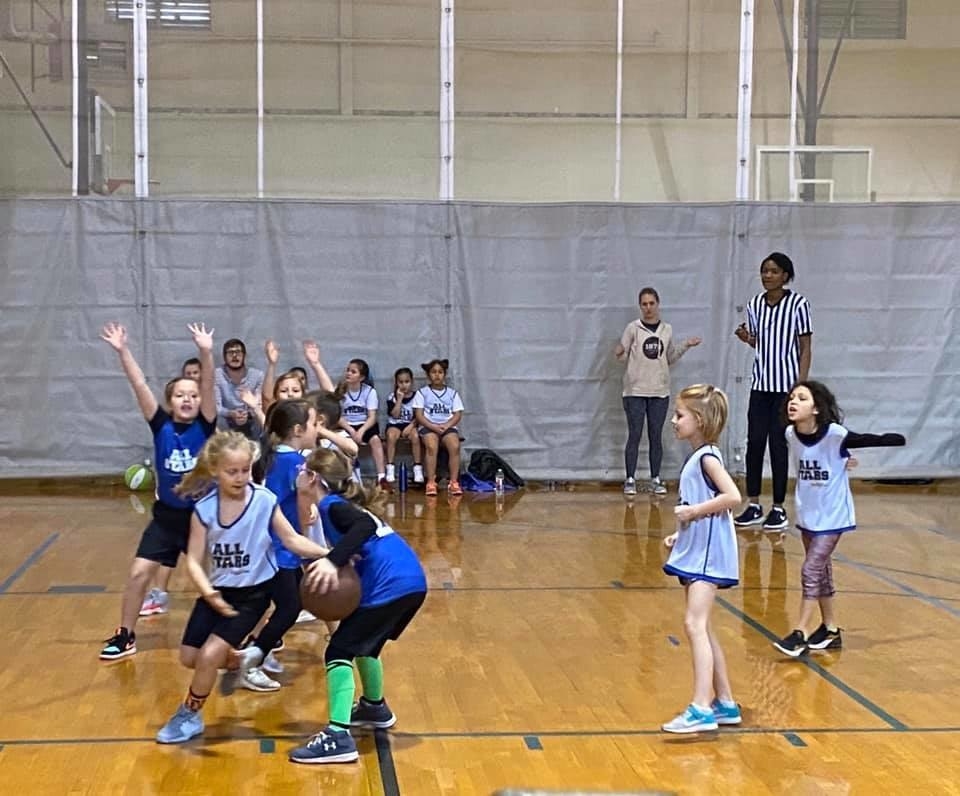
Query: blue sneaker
x=693, y=719
x=372, y=714
x=327, y=746
x=726, y=715
x=184, y=725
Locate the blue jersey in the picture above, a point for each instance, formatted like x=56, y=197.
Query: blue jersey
x=282, y=481
x=706, y=548
x=175, y=450
x=388, y=567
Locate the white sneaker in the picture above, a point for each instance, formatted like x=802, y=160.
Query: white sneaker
x=156, y=602
x=271, y=664
x=391, y=474
x=257, y=680
x=630, y=487
x=250, y=658
x=418, y=474
x=657, y=486
x=305, y=616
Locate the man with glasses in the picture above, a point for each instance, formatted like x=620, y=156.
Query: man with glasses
x=232, y=379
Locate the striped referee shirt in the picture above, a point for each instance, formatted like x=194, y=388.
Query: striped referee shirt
x=777, y=329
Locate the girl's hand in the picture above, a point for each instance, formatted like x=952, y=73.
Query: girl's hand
x=852, y=462
x=311, y=352
x=671, y=540
x=743, y=333
x=221, y=606
x=692, y=342
x=272, y=352
x=409, y=431
x=249, y=398
x=321, y=576
x=201, y=336
x=314, y=513
x=684, y=514
x=115, y=335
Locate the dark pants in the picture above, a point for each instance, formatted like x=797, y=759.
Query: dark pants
x=655, y=410
x=286, y=608
x=765, y=423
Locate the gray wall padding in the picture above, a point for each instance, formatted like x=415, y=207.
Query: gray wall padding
x=527, y=301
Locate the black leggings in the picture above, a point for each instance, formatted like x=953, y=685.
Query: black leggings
x=286, y=602
x=655, y=410
x=765, y=424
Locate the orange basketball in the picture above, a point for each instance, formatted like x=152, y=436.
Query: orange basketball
x=337, y=603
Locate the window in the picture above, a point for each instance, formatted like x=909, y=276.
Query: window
x=107, y=55
x=166, y=13
x=871, y=19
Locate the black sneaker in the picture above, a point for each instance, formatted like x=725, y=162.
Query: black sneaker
x=793, y=645
x=372, y=714
x=825, y=639
x=776, y=520
x=751, y=515
x=121, y=645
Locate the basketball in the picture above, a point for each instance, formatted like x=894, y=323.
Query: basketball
x=138, y=478
x=337, y=603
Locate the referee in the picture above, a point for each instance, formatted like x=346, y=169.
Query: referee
x=778, y=329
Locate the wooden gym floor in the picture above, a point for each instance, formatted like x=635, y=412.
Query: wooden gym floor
x=548, y=653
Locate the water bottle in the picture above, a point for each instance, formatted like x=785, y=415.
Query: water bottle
x=402, y=477
x=498, y=482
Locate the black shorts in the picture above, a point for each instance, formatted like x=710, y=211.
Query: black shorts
x=369, y=434
x=398, y=427
x=366, y=630
x=166, y=537
x=424, y=431
x=251, y=602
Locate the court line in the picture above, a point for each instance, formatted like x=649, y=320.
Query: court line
x=519, y=734
x=29, y=562
x=388, y=771
x=831, y=678
x=909, y=590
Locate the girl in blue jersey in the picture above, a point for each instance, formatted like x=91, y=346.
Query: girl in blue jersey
x=178, y=437
x=819, y=447
x=231, y=560
x=703, y=553
x=291, y=427
x=438, y=410
x=393, y=587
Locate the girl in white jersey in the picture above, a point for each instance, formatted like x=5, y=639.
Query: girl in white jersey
x=438, y=410
x=703, y=553
x=230, y=529
x=358, y=406
x=819, y=447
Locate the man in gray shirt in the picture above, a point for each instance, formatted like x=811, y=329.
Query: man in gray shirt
x=231, y=379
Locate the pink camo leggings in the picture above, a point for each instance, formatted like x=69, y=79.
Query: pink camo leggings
x=816, y=575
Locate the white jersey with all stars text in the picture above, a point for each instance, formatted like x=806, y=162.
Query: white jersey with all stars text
x=824, y=503
x=438, y=405
x=355, y=405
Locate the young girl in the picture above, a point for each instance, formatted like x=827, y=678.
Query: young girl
x=230, y=528
x=178, y=437
x=400, y=423
x=358, y=407
x=393, y=587
x=438, y=410
x=291, y=428
x=819, y=447
x=704, y=554
x=289, y=387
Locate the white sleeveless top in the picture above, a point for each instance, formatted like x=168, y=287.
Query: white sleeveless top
x=824, y=503
x=240, y=554
x=706, y=549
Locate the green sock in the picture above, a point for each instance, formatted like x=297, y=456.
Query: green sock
x=340, y=691
x=371, y=676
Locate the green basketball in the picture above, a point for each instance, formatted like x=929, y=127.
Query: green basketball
x=138, y=478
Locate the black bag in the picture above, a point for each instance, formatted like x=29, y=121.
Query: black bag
x=484, y=464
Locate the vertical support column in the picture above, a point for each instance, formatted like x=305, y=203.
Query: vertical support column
x=794, y=86
x=812, y=109
x=141, y=141
x=260, y=185
x=345, y=49
x=745, y=100
x=75, y=61
x=447, y=105
x=618, y=123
